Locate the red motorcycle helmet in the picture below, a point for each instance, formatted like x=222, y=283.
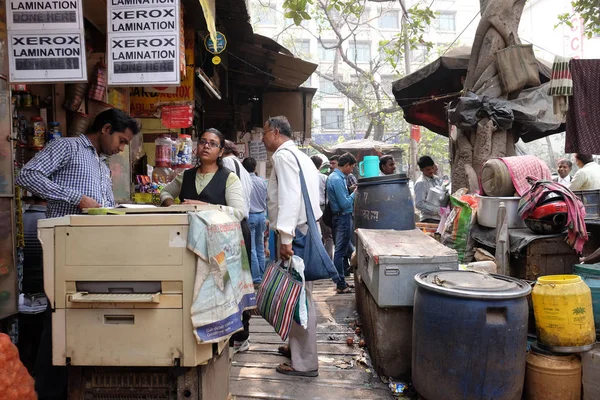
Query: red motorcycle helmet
x=549, y=216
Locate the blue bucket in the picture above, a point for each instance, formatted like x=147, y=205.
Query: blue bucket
x=369, y=167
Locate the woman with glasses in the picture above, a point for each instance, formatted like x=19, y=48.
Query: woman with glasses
x=209, y=182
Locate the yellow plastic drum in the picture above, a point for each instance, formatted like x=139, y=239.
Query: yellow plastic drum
x=562, y=305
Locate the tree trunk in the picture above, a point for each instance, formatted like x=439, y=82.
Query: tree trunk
x=497, y=29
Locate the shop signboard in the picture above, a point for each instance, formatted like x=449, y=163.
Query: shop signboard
x=177, y=116
x=46, y=57
x=31, y=15
x=45, y=41
x=143, y=42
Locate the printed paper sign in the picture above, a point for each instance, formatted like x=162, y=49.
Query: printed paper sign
x=32, y=15
x=258, y=151
x=46, y=57
x=142, y=20
x=143, y=42
x=136, y=60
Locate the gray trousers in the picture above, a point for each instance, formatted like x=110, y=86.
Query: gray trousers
x=303, y=342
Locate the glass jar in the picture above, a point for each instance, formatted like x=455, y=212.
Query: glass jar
x=162, y=175
x=184, y=147
x=38, y=137
x=163, y=151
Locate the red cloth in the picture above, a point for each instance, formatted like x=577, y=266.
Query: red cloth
x=521, y=167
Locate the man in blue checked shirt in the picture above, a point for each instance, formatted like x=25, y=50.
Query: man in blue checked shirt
x=72, y=173
x=342, y=206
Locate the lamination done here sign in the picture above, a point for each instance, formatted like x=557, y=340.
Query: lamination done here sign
x=45, y=41
x=143, y=42
x=42, y=15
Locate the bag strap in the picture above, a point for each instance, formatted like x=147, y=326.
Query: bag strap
x=237, y=169
x=310, y=215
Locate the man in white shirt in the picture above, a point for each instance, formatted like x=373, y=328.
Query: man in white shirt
x=588, y=175
x=287, y=212
x=234, y=164
x=564, y=172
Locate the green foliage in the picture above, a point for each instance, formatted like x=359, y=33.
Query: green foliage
x=435, y=146
x=589, y=11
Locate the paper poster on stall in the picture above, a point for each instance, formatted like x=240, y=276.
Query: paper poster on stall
x=143, y=42
x=45, y=41
x=30, y=15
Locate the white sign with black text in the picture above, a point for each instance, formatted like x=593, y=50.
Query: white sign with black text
x=143, y=42
x=44, y=15
x=46, y=57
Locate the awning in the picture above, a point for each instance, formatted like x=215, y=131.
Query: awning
x=424, y=94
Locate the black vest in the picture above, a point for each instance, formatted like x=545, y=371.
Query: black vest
x=213, y=193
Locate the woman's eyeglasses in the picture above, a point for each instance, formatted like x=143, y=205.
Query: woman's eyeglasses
x=210, y=143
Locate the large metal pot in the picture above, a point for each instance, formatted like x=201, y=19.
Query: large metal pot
x=487, y=211
x=438, y=196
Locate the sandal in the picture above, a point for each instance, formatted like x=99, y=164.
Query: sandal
x=344, y=291
x=285, y=351
x=287, y=369
x=350, y=285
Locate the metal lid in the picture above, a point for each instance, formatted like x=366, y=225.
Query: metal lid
x=473, y=284
x=383, y=179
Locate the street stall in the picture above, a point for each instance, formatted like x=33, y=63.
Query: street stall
x=168, y=66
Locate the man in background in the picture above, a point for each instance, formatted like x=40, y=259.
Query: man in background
x=333, y=163
x=564, y=172
x=387, y=166
x=326, y=234
x=342, y=207
x=257, y=220
x=429, y=213
x=588, y=175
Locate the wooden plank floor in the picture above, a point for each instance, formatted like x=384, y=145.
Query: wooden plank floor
x=341, y=376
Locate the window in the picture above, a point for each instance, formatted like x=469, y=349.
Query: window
x=419, y=54
x=446, y=22
x=327, y=88
x=389, y=20
x=332, y=118
x=302, y=47
x=359, y=52
x=327, y=54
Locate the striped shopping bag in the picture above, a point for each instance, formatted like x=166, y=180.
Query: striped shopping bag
x=278, y=296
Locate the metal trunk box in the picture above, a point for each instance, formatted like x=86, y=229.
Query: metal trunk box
x=388, y=260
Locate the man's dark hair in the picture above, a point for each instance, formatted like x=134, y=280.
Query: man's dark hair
x=584, y=158
x=118, y=120
x=384, y=160
x=250, y=164
x=568, y=163
x=346, y=159
x=282, y=124
x=334, y=158
x=230, y=148
x=425, y=161
x=317, y=161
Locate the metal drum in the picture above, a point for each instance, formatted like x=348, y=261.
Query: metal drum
x=384, y=202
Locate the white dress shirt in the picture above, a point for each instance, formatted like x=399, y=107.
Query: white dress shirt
x=285, y=201
x=586, y=178
x=229, y=163
x=566, y=181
